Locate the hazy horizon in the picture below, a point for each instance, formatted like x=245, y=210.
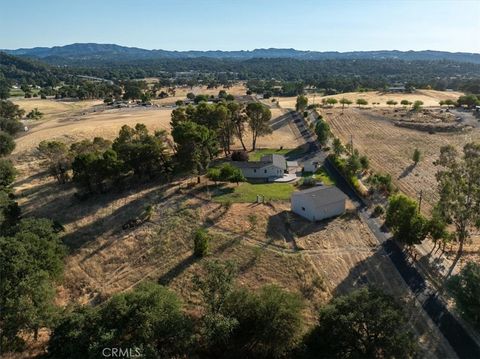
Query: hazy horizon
x=260, y=48
x=343, y=26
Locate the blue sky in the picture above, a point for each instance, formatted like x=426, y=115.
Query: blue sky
x=342, y=25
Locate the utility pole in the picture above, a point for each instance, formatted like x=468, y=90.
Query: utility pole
x=420, y=201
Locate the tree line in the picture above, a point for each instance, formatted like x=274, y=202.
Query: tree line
x=455, y=217
x=234, y=322
x=333, y=76
x=31, y=253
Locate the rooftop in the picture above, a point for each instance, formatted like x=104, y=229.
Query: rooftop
x=321, y=195
x=267, y=160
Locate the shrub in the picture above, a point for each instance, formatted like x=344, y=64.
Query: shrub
x=201, y=240
x=7, y=144
x=7, y=173
x=378, y=211
x=239, y=156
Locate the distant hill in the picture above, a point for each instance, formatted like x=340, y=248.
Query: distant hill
x=18, y=69
x=112, y=52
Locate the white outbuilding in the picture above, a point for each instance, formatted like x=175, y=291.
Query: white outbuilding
x=312, y=165
x=319, y=202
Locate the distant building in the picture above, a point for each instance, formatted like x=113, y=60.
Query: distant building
x=319, y=202
x=396, y=89
x=268, y=168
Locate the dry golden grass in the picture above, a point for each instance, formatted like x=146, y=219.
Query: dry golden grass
x=390, y=149
x=429, y=98
x=316, y=260
x=55, y=108
x=105, y=124
x=70, y=124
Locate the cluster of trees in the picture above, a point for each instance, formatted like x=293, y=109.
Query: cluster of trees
x=96, y=166
x=221, y=122
x=291, y=76
x=345, y=158
x=84, y=90
x=454, y=218
x=10, y=115
x=270, y=87
x=335, y=75
x=234, y=322
x=28, y=73
x=226, y=173
x=31, y=254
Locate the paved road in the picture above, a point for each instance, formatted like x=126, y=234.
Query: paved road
x=459, y=339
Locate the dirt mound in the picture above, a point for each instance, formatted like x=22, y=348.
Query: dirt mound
x=433, y=127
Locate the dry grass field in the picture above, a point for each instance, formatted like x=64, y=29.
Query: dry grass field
x=86, y=125
x=345, y=253
x=70, y=125
x=429, y=97
x=267, y=242
x=390, y=150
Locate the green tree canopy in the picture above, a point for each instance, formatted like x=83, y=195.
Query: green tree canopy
x=31, y=261
x=417, y=105
x=405, y=221
x=362, y=102
x=459, y=190
x=322, y=130
x=7, y=144
x=302, y=102
x=465, y=289
x=366, y=323
x=7, y=174
x=468, y=100
x=57, y=159
x=149, y=319
x=145, y=154
x=259, y=116
x=416, y=156
x=196, y=145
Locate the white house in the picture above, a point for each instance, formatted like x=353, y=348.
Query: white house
x=269, y=167
x=319, y=202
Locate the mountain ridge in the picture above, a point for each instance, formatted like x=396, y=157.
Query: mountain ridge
x=86, y=51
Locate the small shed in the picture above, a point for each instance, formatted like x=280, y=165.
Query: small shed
x=319, y=202
x=312, y=165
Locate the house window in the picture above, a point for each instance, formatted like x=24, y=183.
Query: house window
x=254, y=171
x=303, y=208
x=265, y=171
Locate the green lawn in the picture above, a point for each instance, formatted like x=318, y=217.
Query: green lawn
x=287, y=152
x=320, y=175
x=247, y=192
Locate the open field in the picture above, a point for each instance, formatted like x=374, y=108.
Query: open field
x=268, y=243
x=104, y=124
x=181, y=92
x=390, y=150
x=429, y=97
x=73, y=121
x=346, y=254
